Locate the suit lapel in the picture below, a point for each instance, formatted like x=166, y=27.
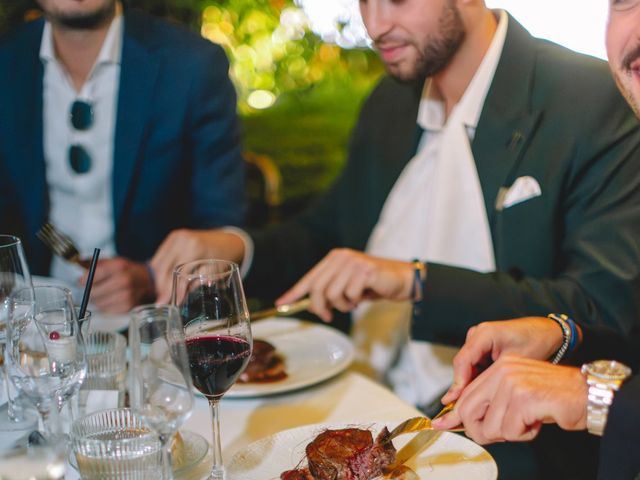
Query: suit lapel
x=138, y=73
x=28, y=165
x=507, y=121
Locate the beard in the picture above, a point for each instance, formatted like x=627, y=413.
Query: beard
x=85, y=20
x=436, y=50
x=624, y=80
x=632, y=100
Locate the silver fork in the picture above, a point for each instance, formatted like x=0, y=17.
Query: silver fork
x=59, y=243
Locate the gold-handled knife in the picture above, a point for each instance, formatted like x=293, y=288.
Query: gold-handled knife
x=419, y=443
x=282, y=310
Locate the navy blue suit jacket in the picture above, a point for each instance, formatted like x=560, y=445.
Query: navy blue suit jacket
x=177, y=157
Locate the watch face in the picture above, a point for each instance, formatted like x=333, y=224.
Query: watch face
x=608, y=369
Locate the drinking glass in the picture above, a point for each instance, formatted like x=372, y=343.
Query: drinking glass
x=214, y=312
x=45, y=356
x=14, y=274
x=160, y=389
x=115, y=444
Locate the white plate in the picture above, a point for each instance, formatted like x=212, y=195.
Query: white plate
x=312, y=353
x=451, y=457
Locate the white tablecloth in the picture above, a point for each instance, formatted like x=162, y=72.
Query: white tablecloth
x=350, y=397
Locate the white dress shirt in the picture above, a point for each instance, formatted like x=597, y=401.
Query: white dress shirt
x=434, y=212
x=81, y=204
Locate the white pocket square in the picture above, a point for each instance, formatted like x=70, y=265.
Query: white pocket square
x=524, y=188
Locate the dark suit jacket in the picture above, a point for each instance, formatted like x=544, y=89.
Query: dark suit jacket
x=177, y=159
x=551, y=114
x=620, y=444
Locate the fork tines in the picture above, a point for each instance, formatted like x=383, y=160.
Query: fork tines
x=58, y=242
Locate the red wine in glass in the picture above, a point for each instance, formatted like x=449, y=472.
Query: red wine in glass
x=216, y=362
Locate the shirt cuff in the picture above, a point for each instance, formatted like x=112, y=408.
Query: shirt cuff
x=247, y=259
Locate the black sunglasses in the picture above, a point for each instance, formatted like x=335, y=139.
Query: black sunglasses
x=81, y=119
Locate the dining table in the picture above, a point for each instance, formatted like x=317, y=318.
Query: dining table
x=347, y=397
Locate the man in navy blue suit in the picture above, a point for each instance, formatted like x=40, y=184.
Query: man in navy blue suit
x=118, y=128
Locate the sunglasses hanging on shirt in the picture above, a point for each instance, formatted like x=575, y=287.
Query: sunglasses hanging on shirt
x=81, y=119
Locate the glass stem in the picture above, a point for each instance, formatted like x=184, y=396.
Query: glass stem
x=14, y=410
x=217, y=470
x=167, y=467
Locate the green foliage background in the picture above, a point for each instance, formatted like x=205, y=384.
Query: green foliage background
x=319, y=88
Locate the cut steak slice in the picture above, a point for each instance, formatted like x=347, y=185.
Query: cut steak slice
x=349, y=454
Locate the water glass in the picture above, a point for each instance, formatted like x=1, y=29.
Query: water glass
x=14, y=275
x=115, y=444
x=160, y=387
x=45, y=356
x=106, y=354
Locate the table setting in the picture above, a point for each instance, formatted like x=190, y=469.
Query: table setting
x=174, y=398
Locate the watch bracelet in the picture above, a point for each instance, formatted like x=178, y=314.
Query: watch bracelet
x=562, y=321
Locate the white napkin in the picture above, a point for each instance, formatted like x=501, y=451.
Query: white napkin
x=522, y=189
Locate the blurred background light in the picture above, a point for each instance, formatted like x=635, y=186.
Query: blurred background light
x=261, y=99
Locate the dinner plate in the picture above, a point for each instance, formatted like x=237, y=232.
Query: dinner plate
x=451, y=457
x=312, y=353
x=195, y=449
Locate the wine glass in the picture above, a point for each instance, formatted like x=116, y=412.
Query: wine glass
x=214, y=312
x=160, y=387
x=45, y=356
x=14, y=274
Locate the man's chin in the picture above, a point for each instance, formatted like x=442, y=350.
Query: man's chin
x=86, y=20
x=402, y=73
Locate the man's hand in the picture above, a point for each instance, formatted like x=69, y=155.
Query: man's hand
x=513, y=398
x=345, y=277
x=530, y=337
x=182, y=246
x=119, y=285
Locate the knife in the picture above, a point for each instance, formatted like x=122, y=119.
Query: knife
x=282, y=310
x=419, y=443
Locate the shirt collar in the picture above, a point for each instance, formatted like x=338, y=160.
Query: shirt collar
x=431, y=113
x=110, y=53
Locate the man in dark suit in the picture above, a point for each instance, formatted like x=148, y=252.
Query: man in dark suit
x=572, y=246
x=511, y=398
x=118, y=128
x=543, y=215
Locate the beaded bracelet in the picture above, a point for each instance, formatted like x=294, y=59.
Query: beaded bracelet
x=567, y=337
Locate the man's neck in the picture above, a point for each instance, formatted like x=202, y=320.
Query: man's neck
x=453, y=81
x=78, y=50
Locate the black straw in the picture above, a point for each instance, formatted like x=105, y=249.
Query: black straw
x=87, y=287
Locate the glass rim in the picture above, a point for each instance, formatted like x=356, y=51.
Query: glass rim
x=231, y=268
x=44, y=287
x=153, y=307
x=7, y=240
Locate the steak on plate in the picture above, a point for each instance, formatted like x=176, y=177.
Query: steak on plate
x=346, y=454
x=265, y=365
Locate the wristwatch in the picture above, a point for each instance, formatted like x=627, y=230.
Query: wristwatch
x=604, y=378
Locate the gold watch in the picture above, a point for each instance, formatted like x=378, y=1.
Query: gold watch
x=604, y=378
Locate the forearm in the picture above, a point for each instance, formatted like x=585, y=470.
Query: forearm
x=455, y=299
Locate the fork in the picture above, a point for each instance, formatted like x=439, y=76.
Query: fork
x=59, y=243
